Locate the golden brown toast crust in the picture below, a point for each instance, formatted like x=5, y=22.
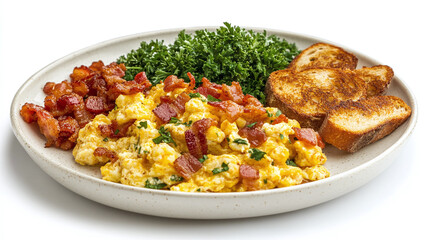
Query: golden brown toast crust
x=308, y=95
x=378, y=78
x=352, y=125
x=323, y=55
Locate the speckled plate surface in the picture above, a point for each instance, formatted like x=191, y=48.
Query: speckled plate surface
x=348, y=171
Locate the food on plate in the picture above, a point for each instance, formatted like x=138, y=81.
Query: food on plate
x=323, y=55
x=377, y=78
x=71, y=104
x=211, y=138
x=228, y=54
x=323, y=77
x=354, y=124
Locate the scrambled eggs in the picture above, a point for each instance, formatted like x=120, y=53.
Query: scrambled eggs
x=282, y=161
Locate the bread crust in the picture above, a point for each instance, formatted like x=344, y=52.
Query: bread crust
x=307, y=96
x=386, y=113
x=323, y=55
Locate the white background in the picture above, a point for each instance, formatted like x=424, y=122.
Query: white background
x=35, y=33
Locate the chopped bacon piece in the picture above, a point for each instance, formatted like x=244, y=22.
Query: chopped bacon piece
x=113, y=73
x=49, y=88
x=231, y=109
x=104, y=152
x=29, y=112
x=80, y=88
x=48, y=126
x=69, y=129
x=186, y=165
x=97, y=67
x=279, y=119
x=191, y=81
x=172, y=82
x=249, y=176
x=80, y=73
x=255, y=135
x=195, y=138
x=171, y=107
x=95, y=104
x=114, y=130
x=140, y=78
x=233, y=93
x=82, y=115
x=310, y=136
x=164, y=112
x=209, y=88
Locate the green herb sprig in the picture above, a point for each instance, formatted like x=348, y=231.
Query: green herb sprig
x=230, y=53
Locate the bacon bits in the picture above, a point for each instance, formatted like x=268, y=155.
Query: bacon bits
x=195, y=138
x=113, y=130
x=310, y=136
x=104, y=152
x=171, y=107
x=249, y=177
x=90, y=91
x=255, y=135
x=186, y=165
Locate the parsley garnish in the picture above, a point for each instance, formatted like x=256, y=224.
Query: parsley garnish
x=230, y=53
x=223, y=168
x=155, y=183
x=240, y=141
x=282, y=136
x=116, y=131
x=203, y=159
x=210, y=98
x=177, y=122
x=268, y=113
x=105, y=139
x=164, y=136
x=278, y=113
x=252, y=124
x=142, y=124
x=256, y=154
x=176, y=178
x=291, y=163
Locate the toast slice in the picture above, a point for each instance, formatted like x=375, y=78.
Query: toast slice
x=308, y=95
x=323, y=55
x=378, y=78
x=353, y=125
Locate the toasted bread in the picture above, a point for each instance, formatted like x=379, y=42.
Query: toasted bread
x=308, y=95
x=353, y=125
x=323, y=55
x=378, y=78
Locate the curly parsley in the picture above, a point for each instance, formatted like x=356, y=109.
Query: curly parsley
x=228, y=54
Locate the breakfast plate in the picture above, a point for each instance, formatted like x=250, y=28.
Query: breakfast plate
x=348, y=171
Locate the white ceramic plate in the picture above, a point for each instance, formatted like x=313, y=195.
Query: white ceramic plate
x=348, y=171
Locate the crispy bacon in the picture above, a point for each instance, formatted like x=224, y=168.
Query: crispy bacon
x=279, y=119
x=164, y=112
x=114, y=130
x=231, y=109
x=98, y=84
x=171, y=107
x=209, y=88
x=310, y=136
x=195, y=137
x=95, y=104
x=255, y=135
x=172, y=82
x=104, y=152
x=186, y=165
x=69, y=129
x=249, y=177
x=233, y=93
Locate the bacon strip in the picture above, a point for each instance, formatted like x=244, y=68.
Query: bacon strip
x=113, y=130
x=310, y=136
x=171, y=107
x=186, y=165
x=249, y=176
x=195, y=138
x=231, y=109
x=102, y=151
x=255, y=135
